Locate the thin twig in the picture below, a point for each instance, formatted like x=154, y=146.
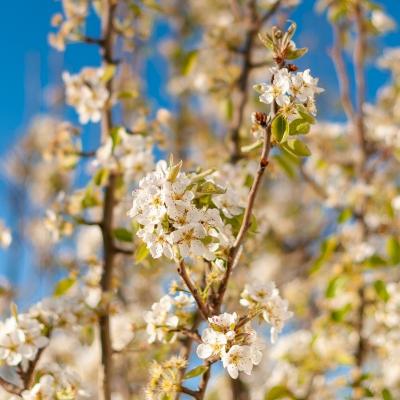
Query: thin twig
x=203, y=308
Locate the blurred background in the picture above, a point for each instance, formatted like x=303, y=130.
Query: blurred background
x=31, y=85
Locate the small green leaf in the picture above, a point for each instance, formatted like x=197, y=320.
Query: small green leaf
x=278, y=392
x=251, y=147
x=328, y=246
x=280, y=128
x=189, y=61
x=381, y=291
x=123, y=234
x=200, y=370
x=393, y=250
x=63, y=286
x=387, y=395
x=109, y=72
x=344, y=215
x=339, y=314
x=335, y=284
x=266, y=40
x=375, y=261
x=299, y=127
x=101, y=176
x=294, y=54
x=141, y=253
x=298, y=148
x=87, y=335
x=305, y=114
x=209, y=187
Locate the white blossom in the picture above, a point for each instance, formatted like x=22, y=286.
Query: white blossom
x=87, y=93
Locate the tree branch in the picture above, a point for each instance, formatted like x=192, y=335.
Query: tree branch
x=203, y=308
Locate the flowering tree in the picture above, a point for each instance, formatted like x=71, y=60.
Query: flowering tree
x=234, y=248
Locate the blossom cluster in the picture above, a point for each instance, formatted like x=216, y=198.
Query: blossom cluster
x=130, y=153
x=87, y=92
x=288, y=89
x=165, y=316
x=235, y=344
x=55, y=382
x=21, y=337
x=166, y=207
x=265, y=299
x=165, y=378
x=69, y=24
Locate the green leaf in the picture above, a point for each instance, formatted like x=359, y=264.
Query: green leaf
x=327, y=248
x=335, y=284
x=381, y=291
x=252, y=146
x=123, y=234
x=294, y=54
x=109, y=72
x=189, y=61
x=200, y=370
x=280, y=128
x=386, y=395
x=344, y=215
x=101, y=176
x=266, y=40
x=393, y=250
x=210, y=188
x=299, y=127
x=141, y=253
x=340, y=314
x=375, y=261
x=87, y=335
x=63, y=286
x=278, y=392
x=298, y=148
x=305, y=114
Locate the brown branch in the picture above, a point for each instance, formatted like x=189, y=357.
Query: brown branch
x=108, y=206
x=9, y=387
x=203, y=308
x=359, y=60
x=254, y=25
x=194, y=393
x=233, y=254
x=344, y=85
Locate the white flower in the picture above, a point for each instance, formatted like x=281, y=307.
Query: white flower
x=213, y=343
x=278, y=89
x=266, y=298
x=188, y=238
x=160, y=321
x=157, y=242
x=225, y=322
x=12, y=344
x=276, y=313
x=87, y=93
x=237, y=359
x=183, y=300
x=382, y=22
x=258, y=293
x=5, y=236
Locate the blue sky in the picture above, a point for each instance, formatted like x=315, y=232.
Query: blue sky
x=27, y=58
x=29, y=64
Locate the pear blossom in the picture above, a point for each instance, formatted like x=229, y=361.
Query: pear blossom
x=159, y=320
x=382, y=22
x=237, y=359
x=87, y=93
x=5, y=236
x=213, y=343
x=266, y=298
